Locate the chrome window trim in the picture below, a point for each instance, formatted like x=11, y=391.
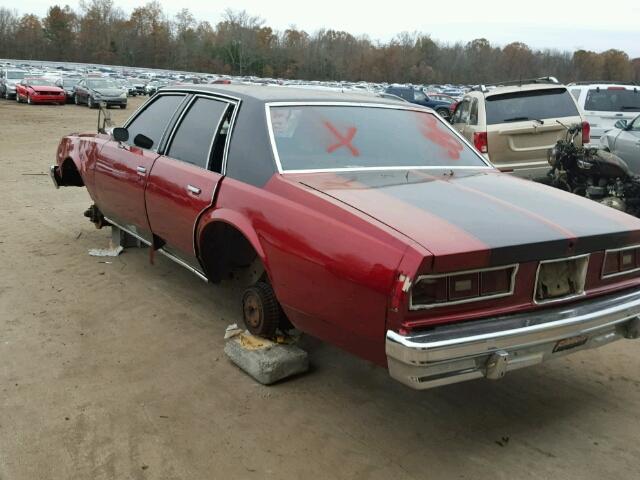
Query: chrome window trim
x=617, y=274
x=276, y=156
x=514, y=266
x=567, y=297
x=184, y=112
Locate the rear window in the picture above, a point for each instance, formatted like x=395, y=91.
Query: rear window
x=613, y=100
x=338, y=137
x=530, y=105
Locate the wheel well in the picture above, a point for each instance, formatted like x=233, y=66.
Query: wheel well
x=70, y=175
x=225, y=251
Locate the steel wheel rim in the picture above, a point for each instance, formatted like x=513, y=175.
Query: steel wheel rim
x=252, y=310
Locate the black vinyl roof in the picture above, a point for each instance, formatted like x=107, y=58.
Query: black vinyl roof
x=265, y=94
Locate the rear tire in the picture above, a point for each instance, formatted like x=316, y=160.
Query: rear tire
x=261, y=311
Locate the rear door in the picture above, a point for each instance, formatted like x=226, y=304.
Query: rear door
x=523, y=125
x=121, y=169
x=183, y=182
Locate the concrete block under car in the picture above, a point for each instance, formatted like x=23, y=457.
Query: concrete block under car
x=266, y=361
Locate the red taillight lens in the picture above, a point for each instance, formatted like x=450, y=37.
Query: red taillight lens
x=495, y=281
x=621, y=261
x=480, y=142
x=586, y=132
x=431, y=291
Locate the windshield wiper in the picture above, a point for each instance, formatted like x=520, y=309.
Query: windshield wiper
x=522, y=119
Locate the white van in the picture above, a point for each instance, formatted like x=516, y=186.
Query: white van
x=605, y=103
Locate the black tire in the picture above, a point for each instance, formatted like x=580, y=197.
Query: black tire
x=444, y=113
x=261, y=311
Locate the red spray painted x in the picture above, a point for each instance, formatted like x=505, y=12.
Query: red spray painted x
x=343, y=141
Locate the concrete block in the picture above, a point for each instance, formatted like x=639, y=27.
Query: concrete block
x=264, y=360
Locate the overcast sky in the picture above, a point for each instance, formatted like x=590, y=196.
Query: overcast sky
x=566, y=25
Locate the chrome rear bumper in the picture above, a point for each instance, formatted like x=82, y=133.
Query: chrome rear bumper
x=490, y=348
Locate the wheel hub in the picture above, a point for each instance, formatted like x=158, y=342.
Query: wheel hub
x=252, y=311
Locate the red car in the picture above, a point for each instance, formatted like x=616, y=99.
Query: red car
x=367, y=223
x=39, y=90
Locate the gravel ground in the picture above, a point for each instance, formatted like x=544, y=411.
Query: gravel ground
x=115, y=370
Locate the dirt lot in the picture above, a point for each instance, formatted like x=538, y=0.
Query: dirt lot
x=116, y=371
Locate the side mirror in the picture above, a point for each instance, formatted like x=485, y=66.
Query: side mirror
x=120, y=134
x=621, y=124
x=142, y=141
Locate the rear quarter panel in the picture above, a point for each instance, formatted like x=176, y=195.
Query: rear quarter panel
x=332, y=268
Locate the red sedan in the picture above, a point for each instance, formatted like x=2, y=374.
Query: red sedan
x=39, y=90
x=364, y=222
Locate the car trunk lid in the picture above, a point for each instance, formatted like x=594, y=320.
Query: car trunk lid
x=477, y=218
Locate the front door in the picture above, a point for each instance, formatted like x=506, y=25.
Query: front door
x=183, y=182
x=122, y=169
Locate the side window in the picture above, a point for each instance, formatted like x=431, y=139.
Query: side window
x=194, y=137
x=462, y=112
x=153, y=120
x=473, y=113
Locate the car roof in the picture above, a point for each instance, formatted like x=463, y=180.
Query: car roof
x=272, y=93
x=523, y=88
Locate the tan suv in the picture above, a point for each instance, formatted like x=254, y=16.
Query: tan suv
x=514, y=124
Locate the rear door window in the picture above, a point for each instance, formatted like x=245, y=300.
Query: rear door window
x=153, y=120
x=193, y=140
x=613, y=99
x=530, y=105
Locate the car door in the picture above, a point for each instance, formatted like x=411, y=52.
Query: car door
x=627, y=145
x=183, y=182
x=122, y=169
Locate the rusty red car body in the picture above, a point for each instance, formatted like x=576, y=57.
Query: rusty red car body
x=440, y=268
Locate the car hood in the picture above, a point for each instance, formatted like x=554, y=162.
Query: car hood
x=108, y=92
x=476, y=218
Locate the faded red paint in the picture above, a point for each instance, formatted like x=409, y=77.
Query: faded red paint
x=343, y=141
x=431, y=129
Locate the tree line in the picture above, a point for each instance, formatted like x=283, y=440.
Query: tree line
x=241, y=44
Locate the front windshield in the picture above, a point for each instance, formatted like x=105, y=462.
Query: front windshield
x=312, y=137
x=39, y=82
x=15, y=75
x=101, y=84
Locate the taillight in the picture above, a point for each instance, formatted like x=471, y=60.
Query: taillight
x=586, y=133
x=439, y=290
x=480, y=142
x=621, y=261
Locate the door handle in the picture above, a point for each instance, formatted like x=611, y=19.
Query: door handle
x=141, y=170
x=194, y=190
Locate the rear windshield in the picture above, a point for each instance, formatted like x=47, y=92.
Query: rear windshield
x=530, y=105
x=338, y=137
x=613, y=100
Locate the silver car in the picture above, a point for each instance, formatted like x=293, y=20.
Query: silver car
x=624, y=141
x=8, y=79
